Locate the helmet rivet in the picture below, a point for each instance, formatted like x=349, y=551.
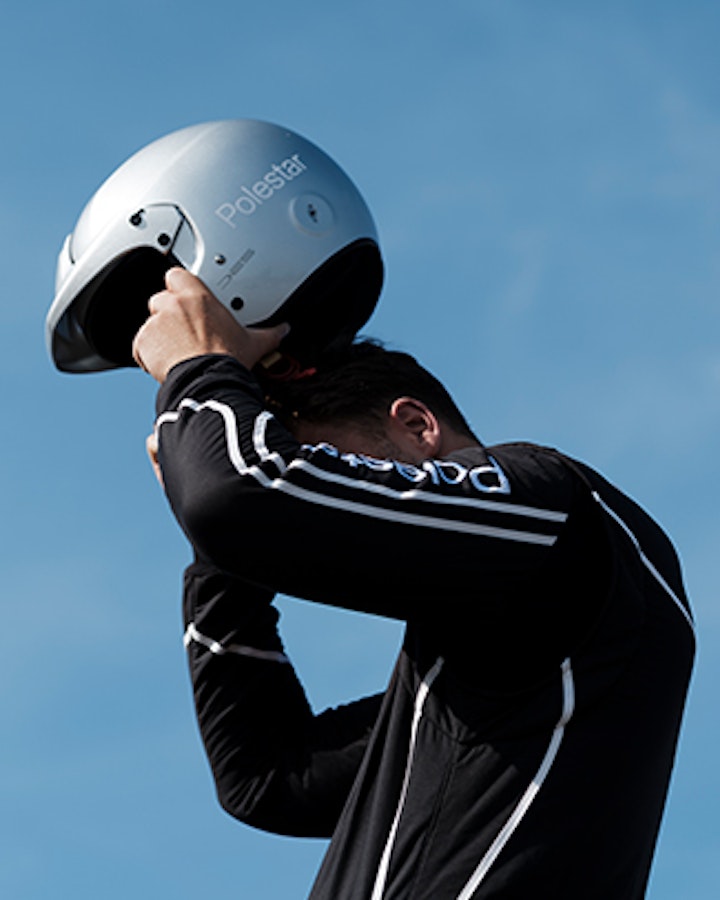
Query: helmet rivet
x=220, y=259
x=237, y=303
x=136, y=218
x=163, y=239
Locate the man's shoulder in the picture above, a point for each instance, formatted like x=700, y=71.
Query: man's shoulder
x=536, y=466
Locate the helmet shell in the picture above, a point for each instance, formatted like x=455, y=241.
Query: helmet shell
x=272, y=226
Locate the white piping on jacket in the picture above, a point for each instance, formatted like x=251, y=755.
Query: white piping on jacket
x=530, y=512
x=192, y=634
x=645, y=561
x=280, y=484
x=420, y=698
x=526, y=800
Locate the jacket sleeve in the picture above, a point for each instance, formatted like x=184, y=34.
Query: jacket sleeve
x=276, y=765
x=367, y=534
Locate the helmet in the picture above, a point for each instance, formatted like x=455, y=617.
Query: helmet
x=271, y=225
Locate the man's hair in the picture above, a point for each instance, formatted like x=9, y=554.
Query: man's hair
x=357, y=385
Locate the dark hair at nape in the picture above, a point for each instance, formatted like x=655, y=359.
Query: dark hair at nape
x=358, y=384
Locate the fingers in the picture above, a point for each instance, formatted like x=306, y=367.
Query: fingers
x=138, y=359
x=136, y=344
x=178, y=279
x=162, y=300
x=186, y=320
x=151, y=445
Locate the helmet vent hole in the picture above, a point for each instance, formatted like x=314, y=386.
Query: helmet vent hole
x=237, y=303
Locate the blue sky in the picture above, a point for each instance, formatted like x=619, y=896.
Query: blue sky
x=546, y=183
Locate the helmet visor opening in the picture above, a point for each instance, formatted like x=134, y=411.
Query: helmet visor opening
x=118, y=303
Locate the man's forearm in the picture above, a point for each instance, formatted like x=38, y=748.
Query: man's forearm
x=276, y=765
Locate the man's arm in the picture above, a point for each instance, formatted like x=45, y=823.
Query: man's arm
x=276, y=765
x=372, y=535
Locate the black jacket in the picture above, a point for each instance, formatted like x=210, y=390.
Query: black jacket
x=524, y=744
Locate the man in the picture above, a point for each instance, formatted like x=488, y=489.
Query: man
x=524, y=744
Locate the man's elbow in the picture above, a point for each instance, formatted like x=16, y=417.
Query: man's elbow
x=261, y=805
x=214, y=518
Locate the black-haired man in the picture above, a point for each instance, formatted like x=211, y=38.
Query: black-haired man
x=524, y=744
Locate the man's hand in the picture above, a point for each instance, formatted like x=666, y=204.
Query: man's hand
x=186, y=320
x=151, y=445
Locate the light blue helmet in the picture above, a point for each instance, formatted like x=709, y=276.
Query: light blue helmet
x=272, y=226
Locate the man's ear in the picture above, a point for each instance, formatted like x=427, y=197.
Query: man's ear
x=413, y=421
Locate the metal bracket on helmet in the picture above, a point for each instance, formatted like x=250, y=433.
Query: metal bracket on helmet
x=93, y=328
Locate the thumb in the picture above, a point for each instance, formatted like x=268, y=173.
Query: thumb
x=272, y=337
x=178, y=279
x=282, y=330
